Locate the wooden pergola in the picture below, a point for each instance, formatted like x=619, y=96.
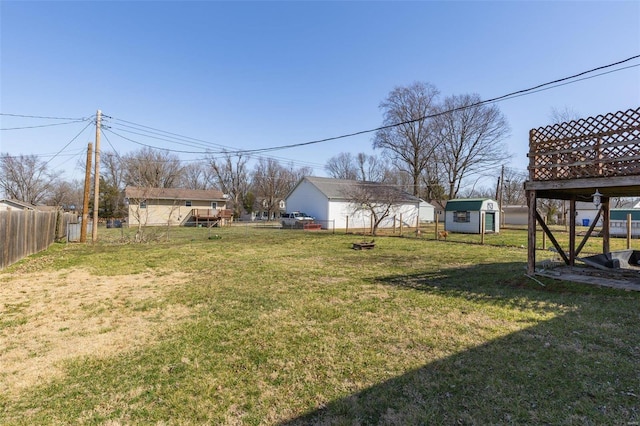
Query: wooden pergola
x=575, y=160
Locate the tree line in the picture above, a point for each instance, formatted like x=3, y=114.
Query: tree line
x=430, y=147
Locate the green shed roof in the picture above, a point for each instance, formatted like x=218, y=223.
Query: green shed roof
x=470, y=204
x=621, y=214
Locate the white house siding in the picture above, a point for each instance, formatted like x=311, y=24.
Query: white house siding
x=515, y=215
x=340, y=210
x=427, y=212
x=308, y=199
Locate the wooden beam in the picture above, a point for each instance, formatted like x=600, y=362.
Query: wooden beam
x=583, y=183
x=586, y=237
x=551, y=237
x=606, y=224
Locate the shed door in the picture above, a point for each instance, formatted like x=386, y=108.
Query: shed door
x=490, y=222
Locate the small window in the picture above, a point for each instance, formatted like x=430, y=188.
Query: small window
x=214, y=205
x=143, y=204
x=187, y=203
x=462, y=216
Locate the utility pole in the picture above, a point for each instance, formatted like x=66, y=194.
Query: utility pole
x=501, y=186
x=96, y=180
x=87, y=189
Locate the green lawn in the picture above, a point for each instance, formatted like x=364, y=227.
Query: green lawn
x=290, y=327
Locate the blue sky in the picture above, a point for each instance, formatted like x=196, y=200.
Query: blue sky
x=250, y=75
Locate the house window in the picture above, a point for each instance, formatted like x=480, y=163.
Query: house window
x=214, y=205
x=187, y=203
x=462, y=216
x=143, y=204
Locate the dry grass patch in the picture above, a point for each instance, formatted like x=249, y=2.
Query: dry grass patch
x=47, y=318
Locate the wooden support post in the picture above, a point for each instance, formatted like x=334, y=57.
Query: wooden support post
x=606, y=225
x=531, y=235
x=394, y=224
x=346, y=229
x=628, y=231
x=572, y=231
x=401, y=224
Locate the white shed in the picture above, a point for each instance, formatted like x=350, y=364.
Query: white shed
x=464, y=215
x=327, y=200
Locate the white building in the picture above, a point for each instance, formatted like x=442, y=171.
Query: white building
x=329, y=202
x=464, y=215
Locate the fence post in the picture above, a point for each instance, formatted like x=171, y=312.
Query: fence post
x=346, y=229
x=628, y=231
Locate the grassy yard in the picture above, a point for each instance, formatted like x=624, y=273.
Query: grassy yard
x=267, y=326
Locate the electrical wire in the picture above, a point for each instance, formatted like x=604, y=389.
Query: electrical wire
x=42, y=125
x=45, y=117
x=69, y=143
x=534, y=89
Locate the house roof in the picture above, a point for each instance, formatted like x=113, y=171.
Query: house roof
x=337, y=189
x=173, y=193
x=17, y=204
x=465, y=204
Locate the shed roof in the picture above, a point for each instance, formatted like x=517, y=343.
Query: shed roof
x=467, y=204
x=621, y=214
x=173, y=193
x=337, y=189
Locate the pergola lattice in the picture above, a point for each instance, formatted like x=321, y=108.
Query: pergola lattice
x=571, y=160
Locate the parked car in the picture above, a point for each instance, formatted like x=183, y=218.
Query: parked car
x=295, y=219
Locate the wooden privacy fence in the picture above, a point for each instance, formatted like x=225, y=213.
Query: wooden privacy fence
x=23, y=233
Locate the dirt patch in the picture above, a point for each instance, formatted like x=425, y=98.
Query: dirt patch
x=47, y=318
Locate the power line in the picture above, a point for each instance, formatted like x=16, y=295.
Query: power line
x=534, y=89
x=69, y=143
x=45, y=117
x=42, y=125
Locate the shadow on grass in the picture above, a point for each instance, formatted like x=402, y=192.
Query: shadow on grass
x=580, y=367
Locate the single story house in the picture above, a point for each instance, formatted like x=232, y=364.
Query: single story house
x=515, y=215
x=9, y=204
x=465, y=215
x=331, y=202
x=175, y=206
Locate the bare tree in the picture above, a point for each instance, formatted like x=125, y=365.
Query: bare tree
x=513, y=187
x=359, y=167
x=342, y=166
x=66, y=194
x=197, y=176
x=152, y=168
x=471, y=138
x=271, y=182
x=233, y=178
x=380, y=201
x=409, y=141
x=26, y=178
